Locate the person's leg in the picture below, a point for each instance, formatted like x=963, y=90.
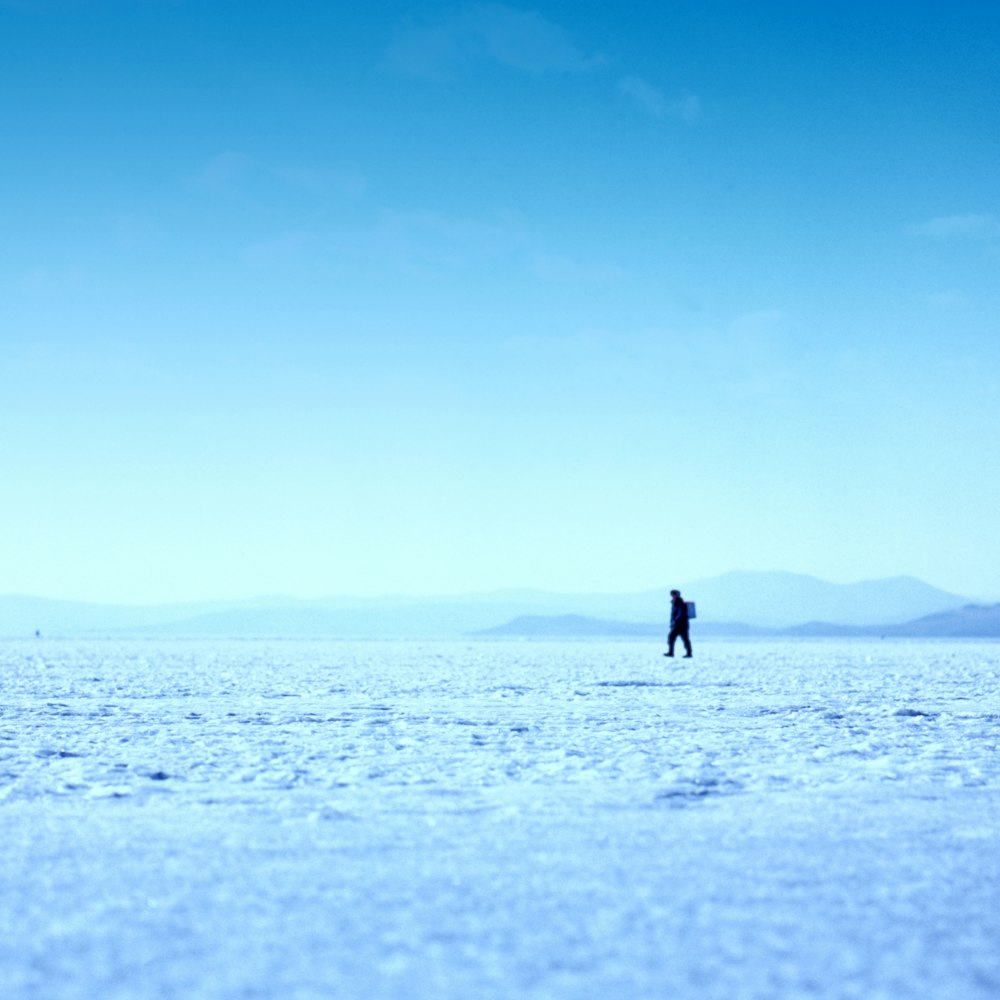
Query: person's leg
x=686, y=637
x=671, y=639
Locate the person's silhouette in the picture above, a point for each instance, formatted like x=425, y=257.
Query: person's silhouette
x=679, y=626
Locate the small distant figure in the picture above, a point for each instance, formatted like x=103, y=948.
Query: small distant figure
x=38, y=633
x=679, y=624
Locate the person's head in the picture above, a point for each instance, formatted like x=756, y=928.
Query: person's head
x=675, y=594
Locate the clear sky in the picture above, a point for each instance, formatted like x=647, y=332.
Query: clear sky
x=321, y=298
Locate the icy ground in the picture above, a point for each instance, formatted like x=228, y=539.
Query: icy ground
x=499, y=820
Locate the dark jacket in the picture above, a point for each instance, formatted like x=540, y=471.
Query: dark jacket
x=678, y=613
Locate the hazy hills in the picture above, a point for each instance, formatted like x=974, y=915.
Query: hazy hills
x=778, y=600
x=744, y=603
x=971, y=621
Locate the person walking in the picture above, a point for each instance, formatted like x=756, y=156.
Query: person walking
x=679, y=625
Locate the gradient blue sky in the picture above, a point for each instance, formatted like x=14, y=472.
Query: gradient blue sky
x=319, y=298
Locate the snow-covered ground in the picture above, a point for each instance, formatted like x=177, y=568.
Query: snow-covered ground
x=499, y=820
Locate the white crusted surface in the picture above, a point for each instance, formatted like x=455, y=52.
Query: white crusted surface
x=295, y=819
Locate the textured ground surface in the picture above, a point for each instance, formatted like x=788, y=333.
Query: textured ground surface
x=299, y=820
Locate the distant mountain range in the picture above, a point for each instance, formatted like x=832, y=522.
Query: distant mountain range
x=971, y=621
x=778, y=600
x=735, y=603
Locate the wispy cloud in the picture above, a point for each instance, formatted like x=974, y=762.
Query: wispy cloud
x=522, y=40
x=644, y=94
x=230, y=171
x=431, y=243
x=952, y=227
x=687, y=107
x=427, y=244
x=492, y=32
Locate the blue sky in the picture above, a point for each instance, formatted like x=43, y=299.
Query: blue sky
x=317, y=298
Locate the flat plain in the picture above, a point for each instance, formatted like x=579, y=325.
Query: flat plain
x=256, y=819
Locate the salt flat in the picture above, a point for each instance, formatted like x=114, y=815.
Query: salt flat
x=499, y=819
